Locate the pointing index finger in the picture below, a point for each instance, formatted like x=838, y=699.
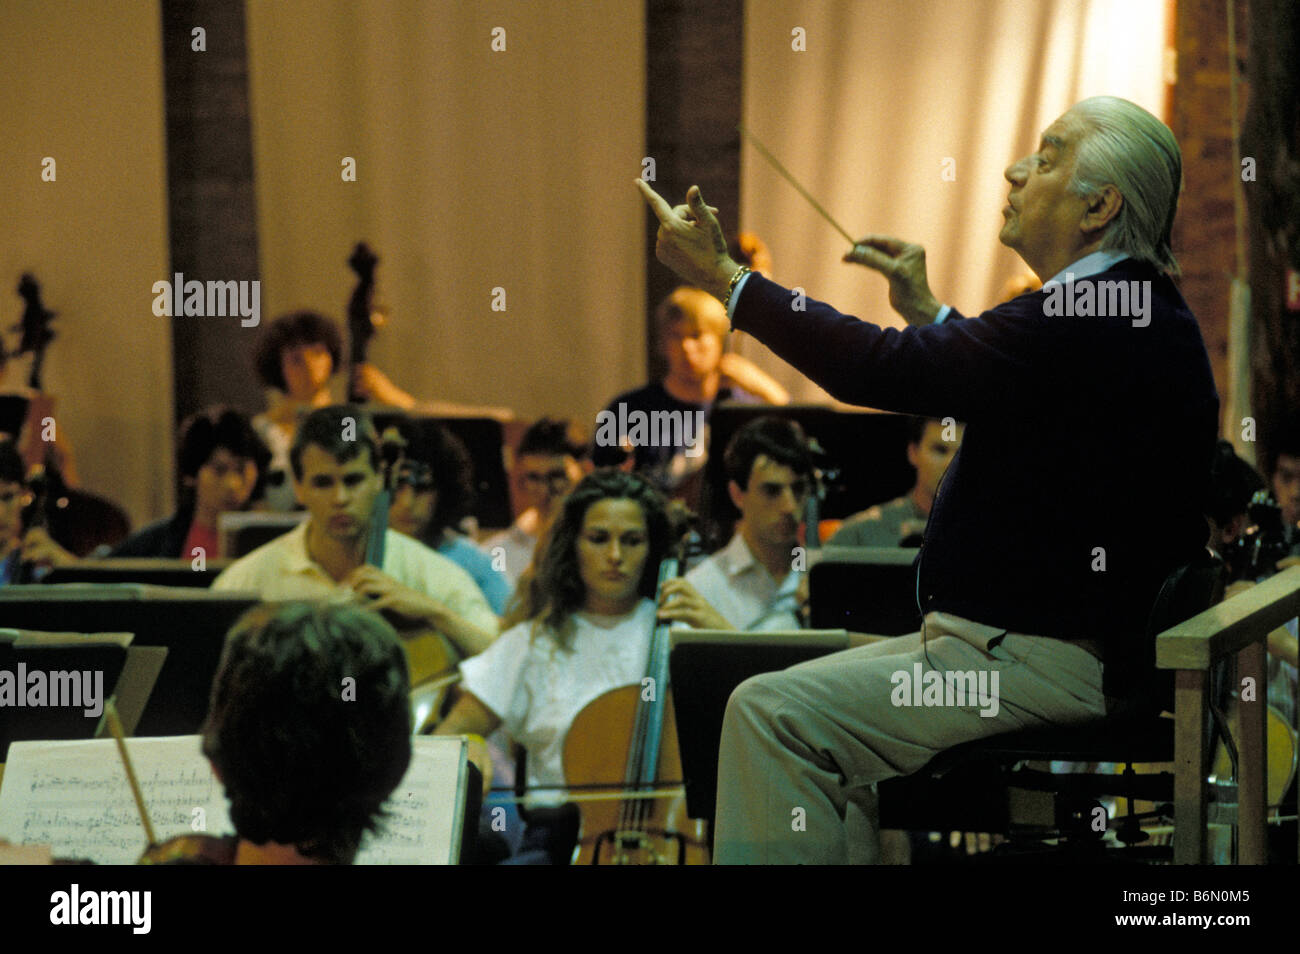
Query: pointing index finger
x=656, y=202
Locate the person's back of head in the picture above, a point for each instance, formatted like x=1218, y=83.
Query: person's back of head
x=309, y=726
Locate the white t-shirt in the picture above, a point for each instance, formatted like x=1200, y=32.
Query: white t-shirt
x=537, y=688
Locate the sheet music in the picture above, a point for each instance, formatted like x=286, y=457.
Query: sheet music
x=424, y=811
x=74, y=796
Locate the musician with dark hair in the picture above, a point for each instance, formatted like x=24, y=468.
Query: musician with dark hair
x=335, y=462
x=548, y=462
x=434, y=493
x=306, y=765
x=592, y=618
x=222, y=465
x=931, y=447
x=753, y=582
x=26, y=552
x=296, y=357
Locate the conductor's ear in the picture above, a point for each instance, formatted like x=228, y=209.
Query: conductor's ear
x=1103, y=208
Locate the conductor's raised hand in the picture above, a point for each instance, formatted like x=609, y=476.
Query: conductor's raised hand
x=903, y=263
x=690, y=241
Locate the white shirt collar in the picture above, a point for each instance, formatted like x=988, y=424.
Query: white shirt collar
x=1091, y=264
x=737, y=557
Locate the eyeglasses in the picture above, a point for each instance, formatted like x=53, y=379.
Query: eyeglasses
x=421, y=481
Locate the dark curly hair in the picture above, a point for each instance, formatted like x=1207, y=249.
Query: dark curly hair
x=213, y=427
x=306, y=758
x=447, y=461
x=290, y=331
x=557, y=590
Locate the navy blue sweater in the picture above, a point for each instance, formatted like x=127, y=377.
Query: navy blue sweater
x=1082, y=433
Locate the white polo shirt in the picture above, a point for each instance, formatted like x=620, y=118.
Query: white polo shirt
x=739, y=587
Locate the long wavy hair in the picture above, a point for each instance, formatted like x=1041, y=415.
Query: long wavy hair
x=556, y=590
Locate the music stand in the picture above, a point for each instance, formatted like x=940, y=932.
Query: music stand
x=68, y=655
x=154, y=571
x=864, y=590
x=191, y=623
x=705, y=666
x=242, y=532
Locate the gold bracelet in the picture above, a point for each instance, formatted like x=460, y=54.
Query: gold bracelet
x=731, y=285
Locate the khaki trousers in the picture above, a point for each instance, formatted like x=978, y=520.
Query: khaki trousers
x=802, y=749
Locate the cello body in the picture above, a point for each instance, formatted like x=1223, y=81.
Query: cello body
x=595, y=748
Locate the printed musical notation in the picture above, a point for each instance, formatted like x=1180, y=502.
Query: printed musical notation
x=74, y=796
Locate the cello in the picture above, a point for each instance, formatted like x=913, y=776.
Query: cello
x=635, y=725
x=430, y=658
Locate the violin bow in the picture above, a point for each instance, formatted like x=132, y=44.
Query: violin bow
x=115, y=726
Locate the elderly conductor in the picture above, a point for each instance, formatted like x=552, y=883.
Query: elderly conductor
x=1091, y=418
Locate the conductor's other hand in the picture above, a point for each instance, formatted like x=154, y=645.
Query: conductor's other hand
x=690, y=241
x=903, y=263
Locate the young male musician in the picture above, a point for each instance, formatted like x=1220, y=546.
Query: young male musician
x=752, y=582
x=335, y=460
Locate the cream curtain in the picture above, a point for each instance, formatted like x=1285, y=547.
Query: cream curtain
x=899, y=117
x=82, y=84
x=476, y=170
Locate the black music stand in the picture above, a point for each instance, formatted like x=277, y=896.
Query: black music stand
x=239, y=533
x=155, y=572
x=48, y=721
x=864, y=590
x=191, y=623
x=705, y=666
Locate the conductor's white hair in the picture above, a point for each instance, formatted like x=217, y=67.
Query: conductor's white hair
x=1127, y=147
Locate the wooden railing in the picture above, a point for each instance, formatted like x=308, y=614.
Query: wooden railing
x=1239, y=626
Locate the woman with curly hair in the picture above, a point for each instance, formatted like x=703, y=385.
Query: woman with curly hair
x=296, y=358
x=594, y=614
